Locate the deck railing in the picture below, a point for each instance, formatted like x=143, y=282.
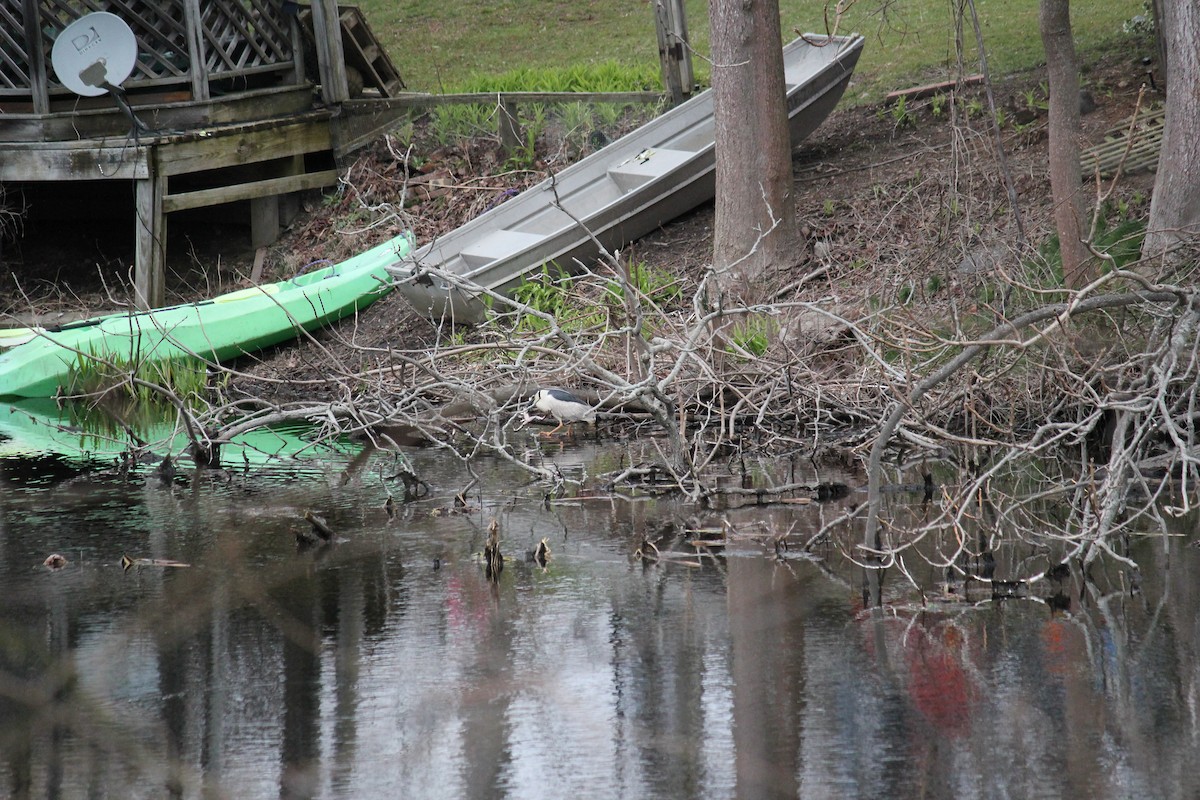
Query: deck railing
x=196, y=47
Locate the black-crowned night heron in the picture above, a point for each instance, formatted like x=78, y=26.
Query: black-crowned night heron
x=563, y=406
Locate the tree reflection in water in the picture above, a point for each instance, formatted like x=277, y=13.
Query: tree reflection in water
x=361, y=669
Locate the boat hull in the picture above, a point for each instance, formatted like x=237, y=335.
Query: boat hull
x=213, y=330
x=628, y=189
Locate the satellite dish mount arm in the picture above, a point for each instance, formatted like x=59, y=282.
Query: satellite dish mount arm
x=97, y=75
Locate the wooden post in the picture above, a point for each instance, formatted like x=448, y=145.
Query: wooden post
x=297, y=35
x=37, y=58
x=289, y=204
x=676, y=59
x=670, y=73
x=150, y=249
x=687, y=78
x=264, y=220
x=510, y=127
x=270, y=213
x=195, y=46
x=331, y=60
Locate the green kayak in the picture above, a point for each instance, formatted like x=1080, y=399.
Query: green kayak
x=39, y=426
x=35, y=362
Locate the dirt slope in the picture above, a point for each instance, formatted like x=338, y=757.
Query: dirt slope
x=895, y=207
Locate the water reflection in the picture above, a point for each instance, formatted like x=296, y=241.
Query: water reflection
x=387, y=665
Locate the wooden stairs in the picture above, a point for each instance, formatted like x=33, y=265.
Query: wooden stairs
x=362, y=51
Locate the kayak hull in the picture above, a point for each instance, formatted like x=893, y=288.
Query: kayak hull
x=39, y=361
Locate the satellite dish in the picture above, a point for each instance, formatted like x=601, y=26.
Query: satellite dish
x=94, y=52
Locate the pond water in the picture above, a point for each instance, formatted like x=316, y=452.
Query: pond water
x=388, y=664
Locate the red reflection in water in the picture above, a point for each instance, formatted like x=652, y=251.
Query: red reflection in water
x=469, y=606
x=937, y=667
x=938, y=682
x=1059, y=640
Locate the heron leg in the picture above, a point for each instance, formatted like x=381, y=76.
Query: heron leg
x=556, y=430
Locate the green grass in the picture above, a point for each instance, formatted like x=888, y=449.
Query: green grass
x=440, y=46
x=753, y=336
x=186, y=377
x=603, y=76
x=451, y=122
x=652, y=283
x=553, y=291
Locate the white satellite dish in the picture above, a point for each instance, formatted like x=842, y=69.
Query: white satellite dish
x=94, y=52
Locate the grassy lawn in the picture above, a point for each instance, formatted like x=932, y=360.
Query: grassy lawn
x=438, y=45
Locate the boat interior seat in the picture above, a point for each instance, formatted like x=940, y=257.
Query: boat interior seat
x=497, y=244
x=646, y=166
x=694, y=139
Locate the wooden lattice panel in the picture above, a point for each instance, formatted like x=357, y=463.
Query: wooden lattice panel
x=237, y=36
x=244, y=35
x=1131, y=147
x=158, y=26
x=14, y=58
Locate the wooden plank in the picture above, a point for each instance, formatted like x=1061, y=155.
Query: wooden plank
x=74, y=104
x=18, y=128
x=252, y=107
x=363, y=120
x=416, y=100
x=930, y=89
x=258, y=105
x=62, y=162
x=248, y=191
x=308, y=116
x=94, y=124
x=246, y=147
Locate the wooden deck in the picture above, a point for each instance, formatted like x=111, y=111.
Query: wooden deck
x=260, y=161
x=230, y=104
x=224, y=102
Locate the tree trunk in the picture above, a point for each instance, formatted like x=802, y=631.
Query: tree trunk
x=1065, y=176
x=1175, y=205
x=755, y=226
